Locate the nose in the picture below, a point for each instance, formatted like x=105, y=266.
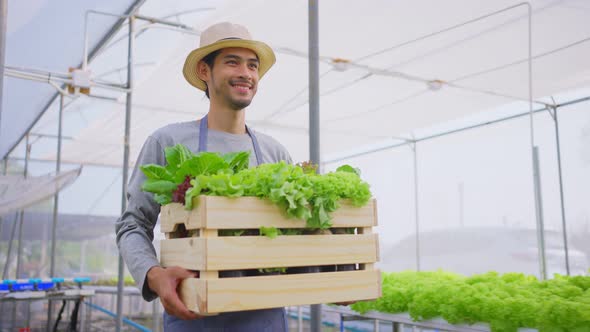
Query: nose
x=245, y=72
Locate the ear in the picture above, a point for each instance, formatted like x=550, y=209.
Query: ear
x=203, y=71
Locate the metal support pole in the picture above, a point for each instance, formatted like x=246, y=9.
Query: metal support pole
x=4, y=172
x=121, y=268
x=3, y=20
x=9, y=251
x=89, y=313
x=55, y=208
x=156, y=315
x=461, y=204
x=22, y=213
x=414, y=147
x=20, y=232
x=539, y=212
x=314, y=118
x=314, y=84
x=534, y=152
x=299, y=319
x=563, y=220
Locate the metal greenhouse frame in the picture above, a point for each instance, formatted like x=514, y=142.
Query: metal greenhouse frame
x=130, y=16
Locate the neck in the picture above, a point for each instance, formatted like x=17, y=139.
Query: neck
x=227, y=120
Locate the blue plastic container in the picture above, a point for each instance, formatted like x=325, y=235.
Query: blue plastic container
x=42, y=284
x=23, y=285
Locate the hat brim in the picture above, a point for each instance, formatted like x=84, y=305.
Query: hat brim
x=265, y=55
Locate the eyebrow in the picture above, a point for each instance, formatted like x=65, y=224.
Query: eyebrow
x=237, y=57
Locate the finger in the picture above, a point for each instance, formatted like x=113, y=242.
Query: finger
x=179, y=309
x=181, y=273
x=182, y=314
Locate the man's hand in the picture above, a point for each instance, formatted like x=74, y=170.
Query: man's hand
x=164, y=281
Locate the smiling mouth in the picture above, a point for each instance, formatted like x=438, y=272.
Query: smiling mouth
x=241, y=86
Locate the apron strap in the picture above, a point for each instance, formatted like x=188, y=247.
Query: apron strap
x=204, y=130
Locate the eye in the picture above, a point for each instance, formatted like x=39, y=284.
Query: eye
x=232, y=62
x=254, y=65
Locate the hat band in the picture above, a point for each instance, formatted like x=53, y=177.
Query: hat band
x=228, y=38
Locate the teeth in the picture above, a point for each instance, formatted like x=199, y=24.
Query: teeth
x=241, y=85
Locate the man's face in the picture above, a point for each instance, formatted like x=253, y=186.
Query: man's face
x=234, y=78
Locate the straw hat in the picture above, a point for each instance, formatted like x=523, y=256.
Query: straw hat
x=223, y=35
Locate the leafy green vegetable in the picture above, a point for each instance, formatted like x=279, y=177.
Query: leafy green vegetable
x=273, y=270
x=202, y=163
x=159, y=186
x=176, y=156
x=162, y=199
x=231, y=232
x=237, y=160
x=156, y=172
x=270, y=232
x=349, y=169
x=506, y=302
x=297, y=189
x=290, y=231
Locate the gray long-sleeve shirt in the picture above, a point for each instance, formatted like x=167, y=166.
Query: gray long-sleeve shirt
x=135, y=226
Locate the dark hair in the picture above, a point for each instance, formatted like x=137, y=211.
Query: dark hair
x=209, y=59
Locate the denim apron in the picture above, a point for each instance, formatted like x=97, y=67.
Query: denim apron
x=265, y=320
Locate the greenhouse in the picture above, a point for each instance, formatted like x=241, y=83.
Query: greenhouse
x=420, y=165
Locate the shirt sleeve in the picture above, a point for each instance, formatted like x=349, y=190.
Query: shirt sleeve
x=135, y=227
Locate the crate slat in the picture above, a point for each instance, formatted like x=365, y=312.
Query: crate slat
x=237, y=294
x=248, y=252
x=193, y=242
x=216, y=212
x=189, y=253
x=173, y=214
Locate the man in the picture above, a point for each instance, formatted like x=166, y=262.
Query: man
x=227, y=66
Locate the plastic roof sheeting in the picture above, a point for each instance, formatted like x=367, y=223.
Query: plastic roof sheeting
x=18, y=192
x=394, y=50
x=49, y=36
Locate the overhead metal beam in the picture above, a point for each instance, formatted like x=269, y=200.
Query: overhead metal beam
x=102, y=43
x=454, y=131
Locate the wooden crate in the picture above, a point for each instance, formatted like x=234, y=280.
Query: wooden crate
x=192, y=242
